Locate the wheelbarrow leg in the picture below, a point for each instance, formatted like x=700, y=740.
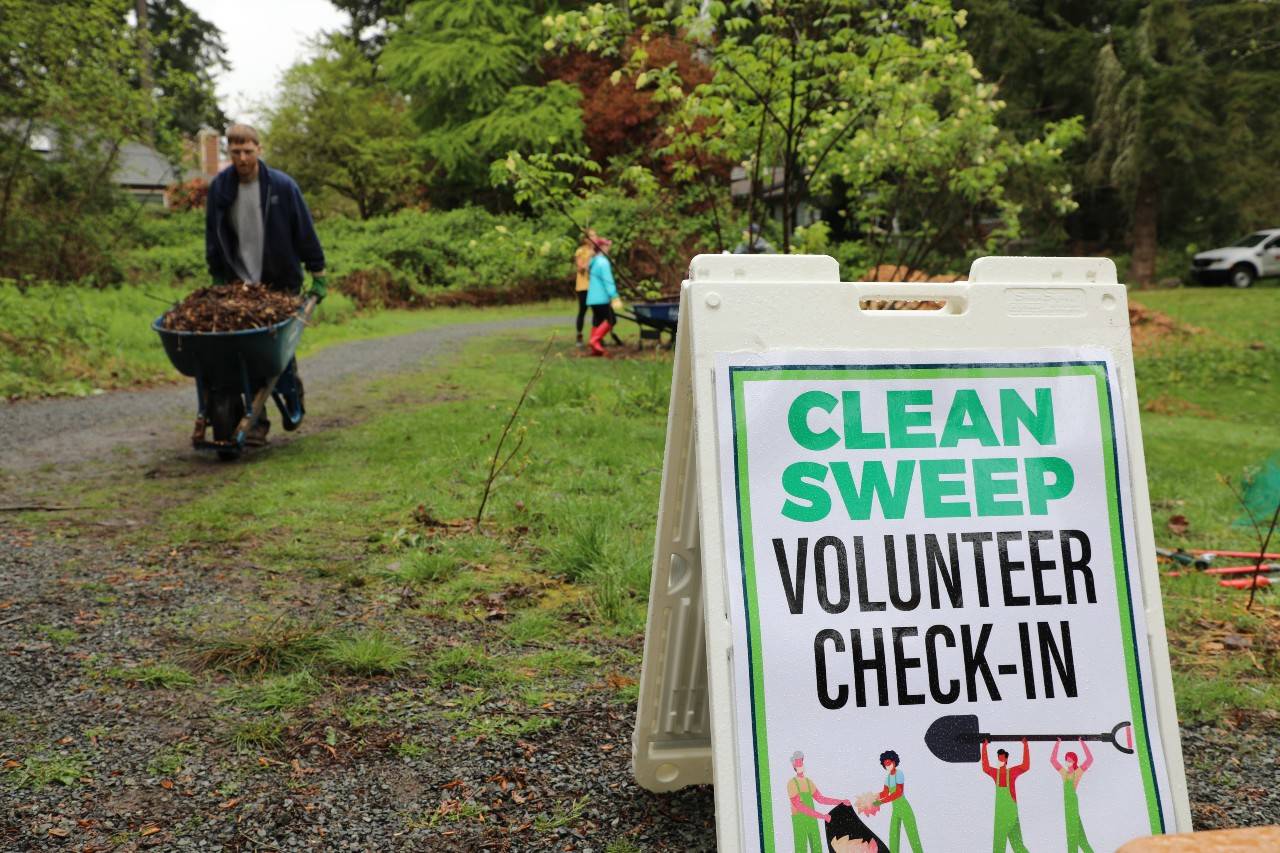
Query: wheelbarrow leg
x=201, y=427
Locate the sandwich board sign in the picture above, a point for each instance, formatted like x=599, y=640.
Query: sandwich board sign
x=904, y=591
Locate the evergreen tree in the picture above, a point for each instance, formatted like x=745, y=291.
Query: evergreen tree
x=470, y=69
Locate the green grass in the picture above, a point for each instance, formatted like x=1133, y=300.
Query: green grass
x=261, y=734
x=564, y=815
x=277, y=693
x=1210, y=407
x=153, y=676
x=258, y=647
x=60, y=637
x=1211, y=410
x=369, y=653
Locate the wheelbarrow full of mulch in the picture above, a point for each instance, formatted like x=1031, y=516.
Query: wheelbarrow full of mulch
x=236, y=369
x=657, y=320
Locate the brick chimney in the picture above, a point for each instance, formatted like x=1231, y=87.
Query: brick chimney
x=207, y=142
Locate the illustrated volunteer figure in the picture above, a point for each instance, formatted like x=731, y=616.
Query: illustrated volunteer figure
x=895, y=791
x=1077, y=841
x=1008, y=830
x=803, y=794
x=258, y=229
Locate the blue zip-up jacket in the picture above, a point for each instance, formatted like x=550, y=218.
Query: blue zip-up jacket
x=601, y=289
x=289, y=235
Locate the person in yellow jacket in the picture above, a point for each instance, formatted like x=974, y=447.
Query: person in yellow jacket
x=582, y=276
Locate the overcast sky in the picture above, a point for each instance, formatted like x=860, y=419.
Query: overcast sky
x=263, y=38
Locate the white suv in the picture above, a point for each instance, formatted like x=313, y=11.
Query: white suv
x=1256, y=256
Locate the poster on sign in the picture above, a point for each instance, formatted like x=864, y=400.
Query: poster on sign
x=932, y=570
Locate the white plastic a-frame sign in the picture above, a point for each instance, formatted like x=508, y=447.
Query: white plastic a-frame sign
x=904, y=585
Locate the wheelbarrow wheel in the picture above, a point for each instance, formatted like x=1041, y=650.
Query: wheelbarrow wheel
x=226, y=408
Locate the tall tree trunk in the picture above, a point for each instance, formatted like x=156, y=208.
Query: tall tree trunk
x=1146, y=209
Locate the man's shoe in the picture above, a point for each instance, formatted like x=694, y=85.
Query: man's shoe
x=257, y=434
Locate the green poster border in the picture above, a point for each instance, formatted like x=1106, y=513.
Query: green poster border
x=739, y=375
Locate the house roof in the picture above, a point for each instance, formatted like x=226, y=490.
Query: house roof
x=143, y=166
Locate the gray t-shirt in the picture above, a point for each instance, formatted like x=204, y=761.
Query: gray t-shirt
x=246, y=218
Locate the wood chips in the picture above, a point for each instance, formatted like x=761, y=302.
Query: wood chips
x=231, y=308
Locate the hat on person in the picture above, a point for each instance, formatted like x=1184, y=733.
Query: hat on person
x=602, y=243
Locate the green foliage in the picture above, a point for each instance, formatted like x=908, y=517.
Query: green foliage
x=153, y=676
x=60, y=637
x=470, y=249
x=532, y=627
x=69, y=340
x=67, y=90
x=1170, y=93
x=338, y=129
x=880, y=109
x=469, y=67
x=463, y=664
x=260, y=734
x=38, y=771
x=186, y=53
x=277, y=693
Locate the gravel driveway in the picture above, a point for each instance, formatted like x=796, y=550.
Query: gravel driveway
x=157, y=421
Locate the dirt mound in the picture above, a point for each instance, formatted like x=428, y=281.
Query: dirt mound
x=231, y=308
x=903, y=273
x=1151, y=327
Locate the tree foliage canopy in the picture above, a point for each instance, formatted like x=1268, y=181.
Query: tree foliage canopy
x=67, y=105
x=470, y=69
x=337, y=126
x=877, y=103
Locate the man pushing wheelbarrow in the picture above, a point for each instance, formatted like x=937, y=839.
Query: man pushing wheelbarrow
x=258, y=229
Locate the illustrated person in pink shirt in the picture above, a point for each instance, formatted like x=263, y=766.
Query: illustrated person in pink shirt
x=803, y=794
x=1008, y=829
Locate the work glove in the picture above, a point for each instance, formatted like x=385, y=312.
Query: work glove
x=319, y=287
x=616, y=303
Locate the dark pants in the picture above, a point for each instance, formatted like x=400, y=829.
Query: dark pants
x=582, y=310
x=602, y=314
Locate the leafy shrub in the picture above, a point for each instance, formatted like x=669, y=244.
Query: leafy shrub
x=412, y=255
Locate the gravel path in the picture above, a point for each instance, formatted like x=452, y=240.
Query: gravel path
x=157, y=421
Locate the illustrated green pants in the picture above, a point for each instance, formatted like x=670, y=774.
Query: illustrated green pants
x=807, y=836
x=902, y=817
x=1007, y=829
x=1076, y=840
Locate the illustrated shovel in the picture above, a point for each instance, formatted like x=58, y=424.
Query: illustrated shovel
x=956, y=738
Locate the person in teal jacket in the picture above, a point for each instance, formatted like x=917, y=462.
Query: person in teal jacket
x=602, y=292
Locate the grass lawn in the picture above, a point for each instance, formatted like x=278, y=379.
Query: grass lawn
x=1211, y=409
x=59, y=340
